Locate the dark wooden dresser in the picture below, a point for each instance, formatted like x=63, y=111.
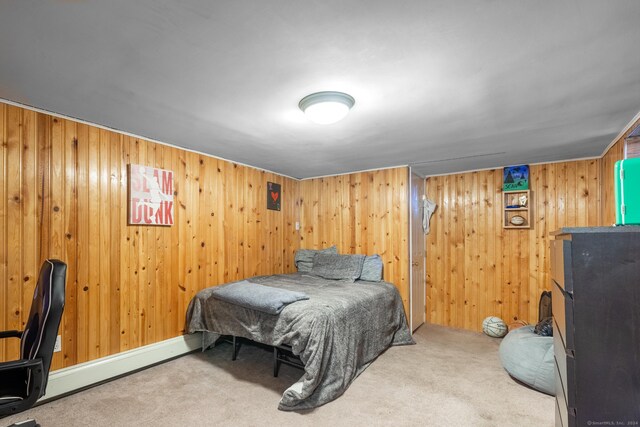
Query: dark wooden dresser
x=595, y=274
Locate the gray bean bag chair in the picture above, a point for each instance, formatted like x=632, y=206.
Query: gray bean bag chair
x=528, y=357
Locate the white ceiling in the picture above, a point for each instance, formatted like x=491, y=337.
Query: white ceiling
x=443, y=85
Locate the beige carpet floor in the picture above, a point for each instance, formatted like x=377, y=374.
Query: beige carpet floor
x=450, y=378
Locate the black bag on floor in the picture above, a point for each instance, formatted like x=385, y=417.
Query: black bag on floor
x=544, y=327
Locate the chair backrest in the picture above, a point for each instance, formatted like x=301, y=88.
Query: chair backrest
x=41, y=330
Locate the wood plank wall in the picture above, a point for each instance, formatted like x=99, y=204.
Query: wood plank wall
x=475, y=268
x=63, y=194
x=361, y=213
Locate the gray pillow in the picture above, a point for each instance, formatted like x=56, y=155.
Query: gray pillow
x=304, y=257
x=372, y=269
x=337, y=267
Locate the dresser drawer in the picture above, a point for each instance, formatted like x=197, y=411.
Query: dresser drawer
x=565, y=414
x=558, y=415
x=565, y=365
x=561, y=404
x=561, y=264
x=562, y=307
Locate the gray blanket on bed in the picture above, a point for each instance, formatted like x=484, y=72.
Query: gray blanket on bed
x=337, y=332
x=266, y=299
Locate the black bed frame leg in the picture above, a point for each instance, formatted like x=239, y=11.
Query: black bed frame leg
x=276, y=362
x=236, y=347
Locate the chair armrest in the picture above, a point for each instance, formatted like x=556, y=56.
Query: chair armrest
x=10, y=334
x=35, y=387
x=20, y=364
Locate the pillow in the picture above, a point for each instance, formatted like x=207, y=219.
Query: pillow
x=372, y=269
x=337, y=267
x=304, y=257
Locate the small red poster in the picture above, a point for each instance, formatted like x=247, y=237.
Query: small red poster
x=150, y=196
x=273, y=196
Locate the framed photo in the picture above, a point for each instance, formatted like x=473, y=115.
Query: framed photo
x=150, y=196
x=516, y=178
x=273, y=196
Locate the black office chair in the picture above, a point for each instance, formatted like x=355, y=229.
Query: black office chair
x=24, y=381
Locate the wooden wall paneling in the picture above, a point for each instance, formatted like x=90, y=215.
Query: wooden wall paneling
x=449, y=218
x=363, y=213
x=219, y=212
x=231, y=239
x=495, y=231
x=346, y=191
x=593, y=187
x=68, y=131
x=270, y=246
x=251, y=262
x=459, y=258
x=82, y=254
x=205, y=237
x=93, y=243
x=448, y=255
x=134, y=270
x=159, y=284
x=52, y=159
x=126, y=242
x=190, y=216
x=536, y=216
x=356, y=214
x=431, y=298
x=435, y=295
x=173, y=325
x=116, y=211
x=64, y=195
x=30, y=227
x=484, y=212
x=180, y=223
x=13, y=216
x=149, y=285
x=3, y=230
x=394, y=192
x=481, y=269
x=401, y=231
x=150, y=273
x=293, y=238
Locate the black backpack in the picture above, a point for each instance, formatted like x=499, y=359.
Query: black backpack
x=545, y=316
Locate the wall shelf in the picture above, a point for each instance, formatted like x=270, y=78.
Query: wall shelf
x=512, y=198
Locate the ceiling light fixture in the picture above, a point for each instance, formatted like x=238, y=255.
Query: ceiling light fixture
x=326, y=107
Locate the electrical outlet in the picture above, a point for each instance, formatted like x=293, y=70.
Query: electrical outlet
x=58, y=346
x=297, y=225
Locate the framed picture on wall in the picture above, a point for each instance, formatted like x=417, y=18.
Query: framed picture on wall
x=150, y=196
x=273, y=196
x=516, y=178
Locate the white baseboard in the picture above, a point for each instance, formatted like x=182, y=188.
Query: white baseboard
x=86, y=374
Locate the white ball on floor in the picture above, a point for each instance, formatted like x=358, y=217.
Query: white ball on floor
x=494, y=327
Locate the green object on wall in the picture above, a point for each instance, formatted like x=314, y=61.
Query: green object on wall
x=627, y=189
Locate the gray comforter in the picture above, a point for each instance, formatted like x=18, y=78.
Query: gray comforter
x=337, y=332
x=266, y=299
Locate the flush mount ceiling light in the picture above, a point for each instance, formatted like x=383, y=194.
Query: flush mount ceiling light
x=326, y=107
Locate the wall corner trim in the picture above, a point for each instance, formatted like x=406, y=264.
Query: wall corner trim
x=84, y=375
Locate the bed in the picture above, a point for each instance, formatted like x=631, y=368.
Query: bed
x=337, y=332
